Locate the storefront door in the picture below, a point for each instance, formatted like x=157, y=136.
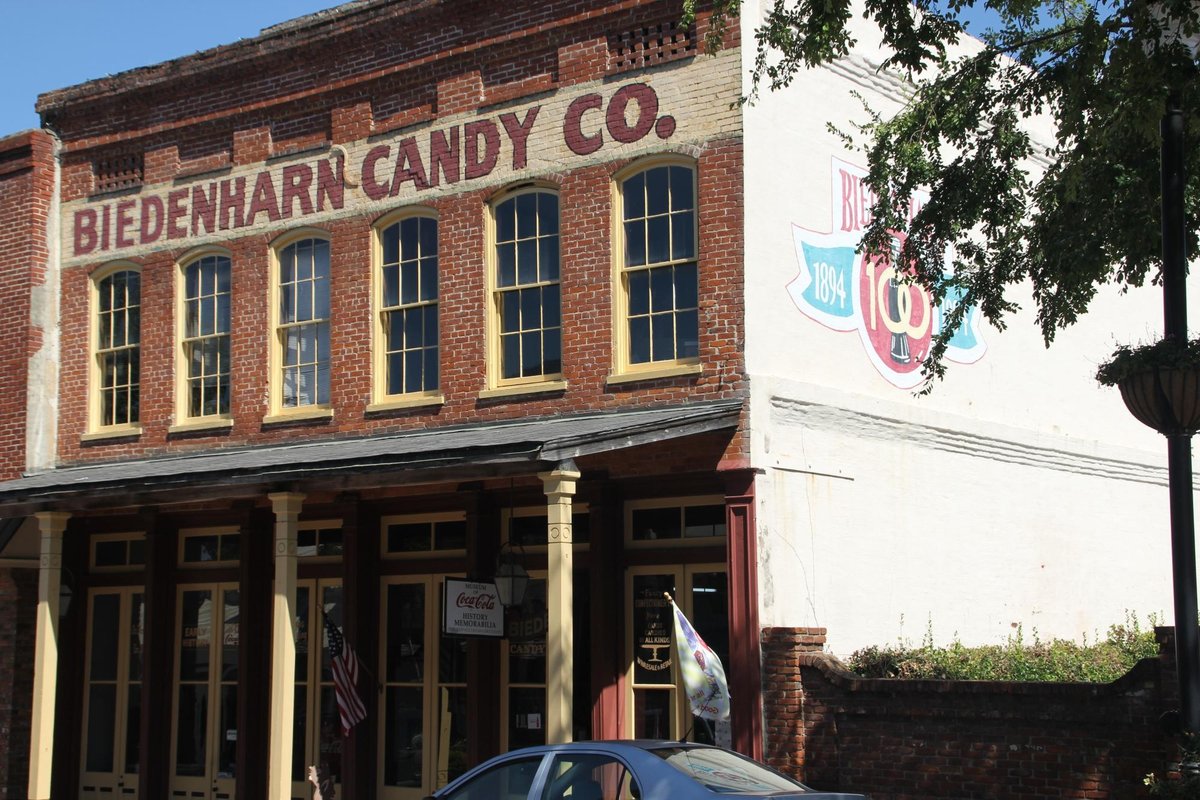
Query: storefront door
x=204, y=746
x=112, y=694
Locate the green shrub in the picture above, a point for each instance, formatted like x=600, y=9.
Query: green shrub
x=1015, y=660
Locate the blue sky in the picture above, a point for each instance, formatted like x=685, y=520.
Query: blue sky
x=57, y=43
x=66, y=42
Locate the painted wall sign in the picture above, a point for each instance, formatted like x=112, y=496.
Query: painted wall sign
x=574, y=127
x=850, y=291
x=471, y=608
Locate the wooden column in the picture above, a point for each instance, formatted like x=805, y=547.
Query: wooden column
x=745, y=672
x=45, y=656
x=483, y=655
x=360, y=618
x=286, y=506
x=607, y=621
x=158, y=659
x=254, y=663
x=559, y=486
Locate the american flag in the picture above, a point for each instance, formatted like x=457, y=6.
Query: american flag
x=344, y=665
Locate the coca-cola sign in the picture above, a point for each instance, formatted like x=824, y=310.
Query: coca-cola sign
x=471, y=608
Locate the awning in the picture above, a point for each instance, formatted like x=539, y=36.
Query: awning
x=522, y=443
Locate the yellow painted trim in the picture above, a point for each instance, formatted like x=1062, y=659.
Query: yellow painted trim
x=112, y=432
x=516, y=389
x=675, y=369
x=559, y=486
x=409, y=401
x=217, y=422
x=298, y=414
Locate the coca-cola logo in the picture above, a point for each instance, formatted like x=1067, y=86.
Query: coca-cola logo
x=480, y=600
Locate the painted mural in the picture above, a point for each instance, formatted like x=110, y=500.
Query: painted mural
x=847, y=290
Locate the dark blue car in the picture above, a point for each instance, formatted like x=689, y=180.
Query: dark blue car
x=626, y=770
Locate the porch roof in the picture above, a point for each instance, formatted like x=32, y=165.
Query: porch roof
x=484, y=446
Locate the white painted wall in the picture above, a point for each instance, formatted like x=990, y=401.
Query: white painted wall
x=1020, y=492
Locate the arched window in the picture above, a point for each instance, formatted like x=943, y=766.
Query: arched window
x=658, y=276
x=118, y=295
x=302, y=319
x=205, y=337
x=526, y=301
x=408, y=308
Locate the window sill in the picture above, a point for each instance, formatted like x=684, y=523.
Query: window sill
x=122, y=432
x=541, y=387
x=416, y=401
x=670, y=371
x=206, y=424
x=299, y=415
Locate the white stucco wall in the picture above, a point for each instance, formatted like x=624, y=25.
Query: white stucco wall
x=1019, y=492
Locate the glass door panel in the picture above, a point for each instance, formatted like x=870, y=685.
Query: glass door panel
x=658, y=707
x=112, y=695
x=425, y=714
x=205, y=732
x=318, y=727
x=405, y=622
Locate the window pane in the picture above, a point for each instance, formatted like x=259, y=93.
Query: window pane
x=552, y=346
x=408, y=282
x=635, y=244
x=656, y=191
x=551, y=313
x=652, y=628
x=414, y=327
x=450, y=535
x=639, y=340
x=662, y=289
x=192, y=731
x=549, y=258
x=431, y=326
x=662, y=333
x=412, y=370
x=408, y=537
x=390, y=244
x=102, y=718
x=395, y=377
x=531, y=309
x=431, y=368
x=686, y=289
x=704, y=521
x=510, y=351
x=527, y=268
x=681, y=188
x=510, y=312
x=634, y=198
x=405, y=658
x=408, y=238
x=639, y=292
x=656, y=523
x=429, y=287
x=106, y=621
x=526, y=216
x=506, y=229
x=658, y=239
x=531, y=353
x=133, y=729
x=110, y=554
x=683, y=237
x=506, y=257
x=687, y=336
x=428, y=233
x=391, y=286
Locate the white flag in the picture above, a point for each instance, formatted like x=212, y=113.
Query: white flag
x=703, y=675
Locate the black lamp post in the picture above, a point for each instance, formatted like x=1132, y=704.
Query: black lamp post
x=1179, y=443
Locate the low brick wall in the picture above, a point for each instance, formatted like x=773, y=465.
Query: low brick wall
x=904, y=740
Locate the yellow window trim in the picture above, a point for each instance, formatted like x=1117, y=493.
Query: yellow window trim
x=95, y=430
x=497, y=385
x=380, y=399
x=298, y=414
x=188, y=422
x=621, y=366
x=516, y=389
x=277, y=412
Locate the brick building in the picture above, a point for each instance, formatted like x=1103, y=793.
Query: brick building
x=350, y=318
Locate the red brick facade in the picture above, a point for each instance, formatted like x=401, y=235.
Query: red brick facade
x=184, y=123
x=904, y=740
x=26, y=192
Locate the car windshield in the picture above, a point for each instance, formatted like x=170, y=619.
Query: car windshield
x=724, y=772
